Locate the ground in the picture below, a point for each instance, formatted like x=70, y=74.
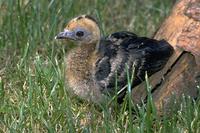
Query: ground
x=33, y=97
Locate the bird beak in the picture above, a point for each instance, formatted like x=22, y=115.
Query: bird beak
x=66, y=34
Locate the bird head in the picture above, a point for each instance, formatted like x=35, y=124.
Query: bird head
x=83, y=29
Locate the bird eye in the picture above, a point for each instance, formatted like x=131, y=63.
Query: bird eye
x=79, y=33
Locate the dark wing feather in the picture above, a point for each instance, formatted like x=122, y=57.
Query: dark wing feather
x=125, y=48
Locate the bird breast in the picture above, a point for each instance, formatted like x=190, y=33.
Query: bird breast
x=79, y=73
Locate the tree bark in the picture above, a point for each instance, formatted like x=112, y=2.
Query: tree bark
x=181, y=75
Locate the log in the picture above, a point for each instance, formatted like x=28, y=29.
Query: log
x=181, y=75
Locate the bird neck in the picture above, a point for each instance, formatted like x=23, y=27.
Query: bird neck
x=87, y=48
x=83, y=52
x=79, y=61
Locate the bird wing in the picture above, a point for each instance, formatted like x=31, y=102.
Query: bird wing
x=122, y=51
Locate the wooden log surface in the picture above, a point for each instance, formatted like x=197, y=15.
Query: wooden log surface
x=181, y=74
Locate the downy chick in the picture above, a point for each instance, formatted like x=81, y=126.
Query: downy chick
x=96, y=62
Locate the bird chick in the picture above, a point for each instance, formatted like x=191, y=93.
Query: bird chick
x=95, y=64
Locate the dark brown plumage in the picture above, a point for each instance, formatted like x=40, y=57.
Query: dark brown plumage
x=93, y=65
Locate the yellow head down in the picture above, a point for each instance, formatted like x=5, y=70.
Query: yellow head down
x=83, y=29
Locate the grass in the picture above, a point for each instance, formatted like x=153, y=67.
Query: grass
x=33, y=97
